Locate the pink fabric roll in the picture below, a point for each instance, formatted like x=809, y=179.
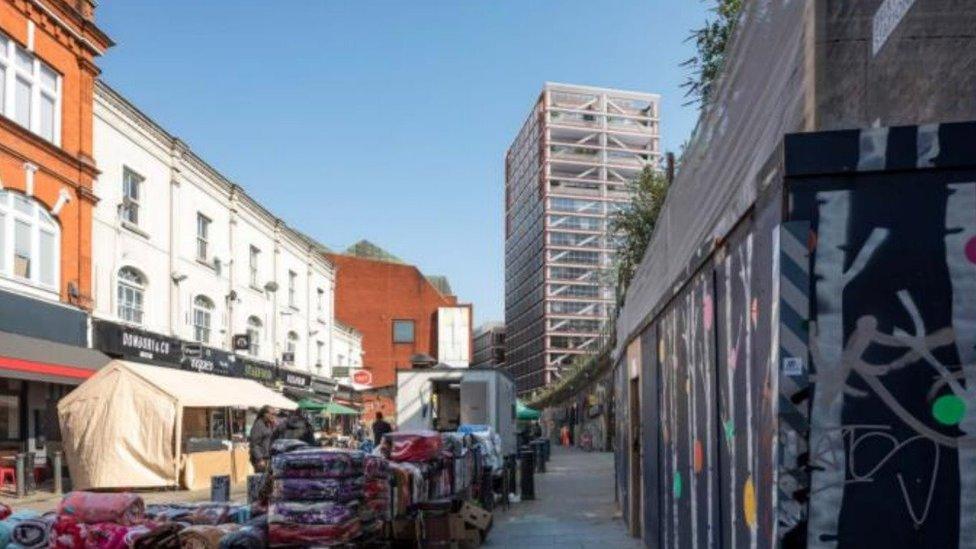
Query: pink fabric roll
x=91, y=507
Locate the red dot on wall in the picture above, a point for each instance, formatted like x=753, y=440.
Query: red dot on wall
x=971, y=250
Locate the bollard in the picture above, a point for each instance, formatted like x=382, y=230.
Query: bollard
x=540, y=463
x=58, y=487
x=19, y=479
x=526, y=472
x=511, y=466
x=546, y=449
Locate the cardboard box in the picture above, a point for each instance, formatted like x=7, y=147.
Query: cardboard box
x=475, y=516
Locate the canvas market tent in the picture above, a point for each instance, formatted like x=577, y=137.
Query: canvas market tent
x=122, y=428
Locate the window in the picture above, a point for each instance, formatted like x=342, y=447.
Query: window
x=30, y=91
x=203, y=235
x=30, y=240
x=320, y=300
x=131, y=291
x=131, y=189
x=292, y=278
x=254, y=257
x=319, y=348
x=254, y=333
x=403, y=331
x=202, y=318
x=291, y=345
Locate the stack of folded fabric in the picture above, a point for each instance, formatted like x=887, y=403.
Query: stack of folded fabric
x=376, y=494
x=317, y=497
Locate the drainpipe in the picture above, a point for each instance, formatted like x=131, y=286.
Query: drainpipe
x=177, y=150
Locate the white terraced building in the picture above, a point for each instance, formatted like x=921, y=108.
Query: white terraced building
x=570, y=167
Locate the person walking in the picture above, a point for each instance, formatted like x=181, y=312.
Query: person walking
x=380, y=428
x=262, y=432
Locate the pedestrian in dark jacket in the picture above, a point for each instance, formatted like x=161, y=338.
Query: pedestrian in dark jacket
x=296, y=427
x=260, y=439
x=380, y=428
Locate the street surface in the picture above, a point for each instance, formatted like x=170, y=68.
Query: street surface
x=573, y=507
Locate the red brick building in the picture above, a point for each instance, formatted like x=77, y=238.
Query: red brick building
x=396, y=307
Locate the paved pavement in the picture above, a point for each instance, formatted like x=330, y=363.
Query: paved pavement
x=573, y=507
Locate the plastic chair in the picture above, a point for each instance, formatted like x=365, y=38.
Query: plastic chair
x=7, y=473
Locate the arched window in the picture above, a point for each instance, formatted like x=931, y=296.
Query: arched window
x=202, y=318
x=254, y=332
x=30, y=241
x=131, y=290
x=292, y=344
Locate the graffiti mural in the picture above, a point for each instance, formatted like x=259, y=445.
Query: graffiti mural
x=892, y=344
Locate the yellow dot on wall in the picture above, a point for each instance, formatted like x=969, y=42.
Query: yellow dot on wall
x=749, y=503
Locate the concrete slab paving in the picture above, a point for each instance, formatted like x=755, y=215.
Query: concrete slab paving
x=573, y=508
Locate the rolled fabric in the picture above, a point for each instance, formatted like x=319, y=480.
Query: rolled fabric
x=283, y=533
x=90, y=507
x=5, y=511
x=313, y=489
x=169, y=512
x=318, y=463
x=205, y=536
x=415, y=446
x=33, y=533
x=248, y=537
x=162, y=536
x=210, y=513
x=376, y=487
x=68, y=533
x=283, y=445
x=376, y=467
x=106, y=535
x=324, y=512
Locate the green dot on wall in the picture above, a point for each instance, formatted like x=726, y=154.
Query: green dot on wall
x=948, y=409
x=676, y=487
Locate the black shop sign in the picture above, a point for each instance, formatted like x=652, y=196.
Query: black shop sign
x=131, y=343
x=294, y=379
x=262, y=372
x=207, y=360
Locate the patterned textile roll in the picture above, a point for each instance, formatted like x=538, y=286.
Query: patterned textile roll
x=248, y=537
x=318, y=463
x=376, y=467
x=312, y=489
x=282, y=533
x=205, y=536
x=90, y=507
x=324, y=512
x=33, y=533
x=105, y=535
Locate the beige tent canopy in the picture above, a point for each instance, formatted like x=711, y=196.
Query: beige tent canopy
x=122, y=427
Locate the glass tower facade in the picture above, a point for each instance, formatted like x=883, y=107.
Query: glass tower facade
x=570, y=167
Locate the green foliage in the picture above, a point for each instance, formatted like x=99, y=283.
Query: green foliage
x=711, y=42
x=634, y=225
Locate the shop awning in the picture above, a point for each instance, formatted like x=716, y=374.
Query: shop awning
x=525, y=413
x=194, y=390
x=34, y=359
x=312, y=404
x=336, y=409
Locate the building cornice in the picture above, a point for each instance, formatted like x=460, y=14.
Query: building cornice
x=82, y=164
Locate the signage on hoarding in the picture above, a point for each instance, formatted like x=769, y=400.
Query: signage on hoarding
x=362, y=377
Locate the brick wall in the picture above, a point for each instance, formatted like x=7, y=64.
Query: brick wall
x=371, y=294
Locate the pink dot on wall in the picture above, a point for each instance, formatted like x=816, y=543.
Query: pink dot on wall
x=707, y=311
x=971, y=250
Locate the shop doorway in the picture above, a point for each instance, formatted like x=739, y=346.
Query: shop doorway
x=636, y=483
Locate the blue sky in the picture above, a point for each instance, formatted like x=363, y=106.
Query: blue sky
x=387, y=120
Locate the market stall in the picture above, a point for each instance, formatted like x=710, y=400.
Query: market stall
x=127, y=426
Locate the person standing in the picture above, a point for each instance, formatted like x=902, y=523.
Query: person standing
x=262, y=433
x=296, y=427
x=380, y=428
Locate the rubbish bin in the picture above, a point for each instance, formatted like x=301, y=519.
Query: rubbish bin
x=527, y=472
x=540, y=462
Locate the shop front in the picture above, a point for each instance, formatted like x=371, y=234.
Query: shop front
x=43, y=356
